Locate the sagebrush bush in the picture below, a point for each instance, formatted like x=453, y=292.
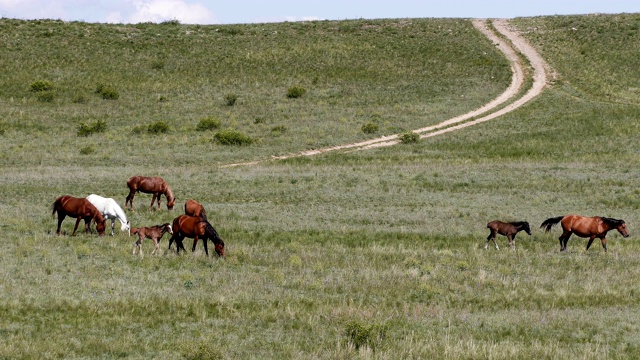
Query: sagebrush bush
x=232, y=137
x=295, y=92
x=86, y=130
x=409, y=137
x=369, y=335
x=208, y=123
x=158, y=127
x=46, y=96
x=370, y=128
x=230, y=99
x=41, y=85
x=87, y=150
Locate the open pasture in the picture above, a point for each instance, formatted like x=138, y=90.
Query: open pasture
x=370, y=254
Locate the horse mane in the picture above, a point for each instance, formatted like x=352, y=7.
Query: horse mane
x=212, y=233
x=519, y=223
x=612, y=222
x=168, y=193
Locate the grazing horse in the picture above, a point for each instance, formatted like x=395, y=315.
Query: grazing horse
x=507, y=229
x=110, y=209
x=150, y=185
x=194, y=208
x=591, y=227
x=196, y=228
x=79, y=208
x=154, y=233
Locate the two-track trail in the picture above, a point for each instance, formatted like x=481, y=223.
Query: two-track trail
x=512, y=98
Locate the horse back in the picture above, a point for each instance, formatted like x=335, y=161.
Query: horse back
x=188, y=226
x=194, y=208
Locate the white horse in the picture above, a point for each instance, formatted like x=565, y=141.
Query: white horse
x=110, y=209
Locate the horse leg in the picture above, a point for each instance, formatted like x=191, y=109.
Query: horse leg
x=564, y=238
x=60, y=218
x=113, y=225
x=590, y=241
x=129, y=199
x=153, y=199
x=512, y=241
x=156, y=246
x=492, y=236
x=604, y=243
x=195, y=241
x=206, y=251
x=76, y=227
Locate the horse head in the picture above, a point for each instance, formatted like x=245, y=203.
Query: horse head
x=170, y=203
x=168, y=228
x=526, y=228
x=101, y=226
x=126, y=226
x=622, y=229
x=619, y=225
x=220, y=248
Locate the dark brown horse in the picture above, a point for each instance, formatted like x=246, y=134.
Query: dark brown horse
x=194, y=208
x=154, y=233
x=591, y=227
x=79, y=208
x=507, y=229
x=149, y=185
x=196, y=228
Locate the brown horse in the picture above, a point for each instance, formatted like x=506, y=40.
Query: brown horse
x=196, y=228
x=79, y=208
x=194, y=208
x=591, y=227
x=507, y=229
x=154, y=233
x=150, y=185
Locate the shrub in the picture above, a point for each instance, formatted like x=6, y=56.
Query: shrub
x=370, y=335
x=230, y=99
x=157, y=65
x=87, y=150
x=86, y=130
x=46, y=96
x=232, y=137
x=295, y=92
x=138, y=129
x=158, y=127
x=80, y=99
x=409, y=137
x=107, y=92
x=41, y=85
x=370, y=128
x=280, y=129
x=208, y=123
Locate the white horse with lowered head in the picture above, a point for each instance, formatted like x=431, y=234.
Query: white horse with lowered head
x=110, y=209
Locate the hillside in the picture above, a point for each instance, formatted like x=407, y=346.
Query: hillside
x=368, y=254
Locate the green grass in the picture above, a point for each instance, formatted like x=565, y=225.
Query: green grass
x=369, y=254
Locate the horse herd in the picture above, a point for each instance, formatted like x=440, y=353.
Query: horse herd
x=586, y=227
x=193, y=224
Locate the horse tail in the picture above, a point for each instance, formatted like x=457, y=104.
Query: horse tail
x=54, y=206
x=548, y=224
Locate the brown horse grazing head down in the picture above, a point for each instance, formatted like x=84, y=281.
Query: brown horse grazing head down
x=79, y=208
x=149, y=185
x=196, y=228
x=194, y=208
x=586, y=227
x=154, y=233
x=507, y=229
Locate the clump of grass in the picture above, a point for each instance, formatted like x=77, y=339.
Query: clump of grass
x=369, y=128
x=87, y=150
x=158, y=127
x=208, y=123
x=409, y=137
x=279, y=130
x=86, y=130
x=365, y=335
x=230, y=99
x=157, y=65
x=138, y=129
x=295, y=92
x=232, y=137
x=41, y=85
x=80, y=99
x=46, y=96
x=107, y=92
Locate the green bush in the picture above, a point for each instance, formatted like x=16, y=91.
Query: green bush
x=370, y=128
x=369, y=335
x=41, y=85
x=158, y=127
x=295, y=92
x=232, y=137
x=230, y=99
x=46, y=96
x=86, y=130
x=409, y=137
x=87, y=150
x=107, y=92
x=208, y=123
x=278, y=130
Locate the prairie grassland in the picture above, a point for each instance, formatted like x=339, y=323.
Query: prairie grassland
x=370, y=254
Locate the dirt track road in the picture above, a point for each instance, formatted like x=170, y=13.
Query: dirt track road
x=489, y=111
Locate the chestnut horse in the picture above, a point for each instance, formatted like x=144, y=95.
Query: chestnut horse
x=79, y=208
x=507, y=229
x=591, y=227
x=196, y=228
x=149, y=185
x=154, y=233
x=194, y=208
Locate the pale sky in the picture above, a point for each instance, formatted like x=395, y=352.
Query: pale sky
x=258, y=11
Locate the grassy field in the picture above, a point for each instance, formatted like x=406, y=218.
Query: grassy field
x=370, y=254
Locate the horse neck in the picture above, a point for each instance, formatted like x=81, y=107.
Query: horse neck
x=119, y=213
x=168, y=193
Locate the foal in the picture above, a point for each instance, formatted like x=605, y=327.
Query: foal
x=154, y=233
x=507, y=229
